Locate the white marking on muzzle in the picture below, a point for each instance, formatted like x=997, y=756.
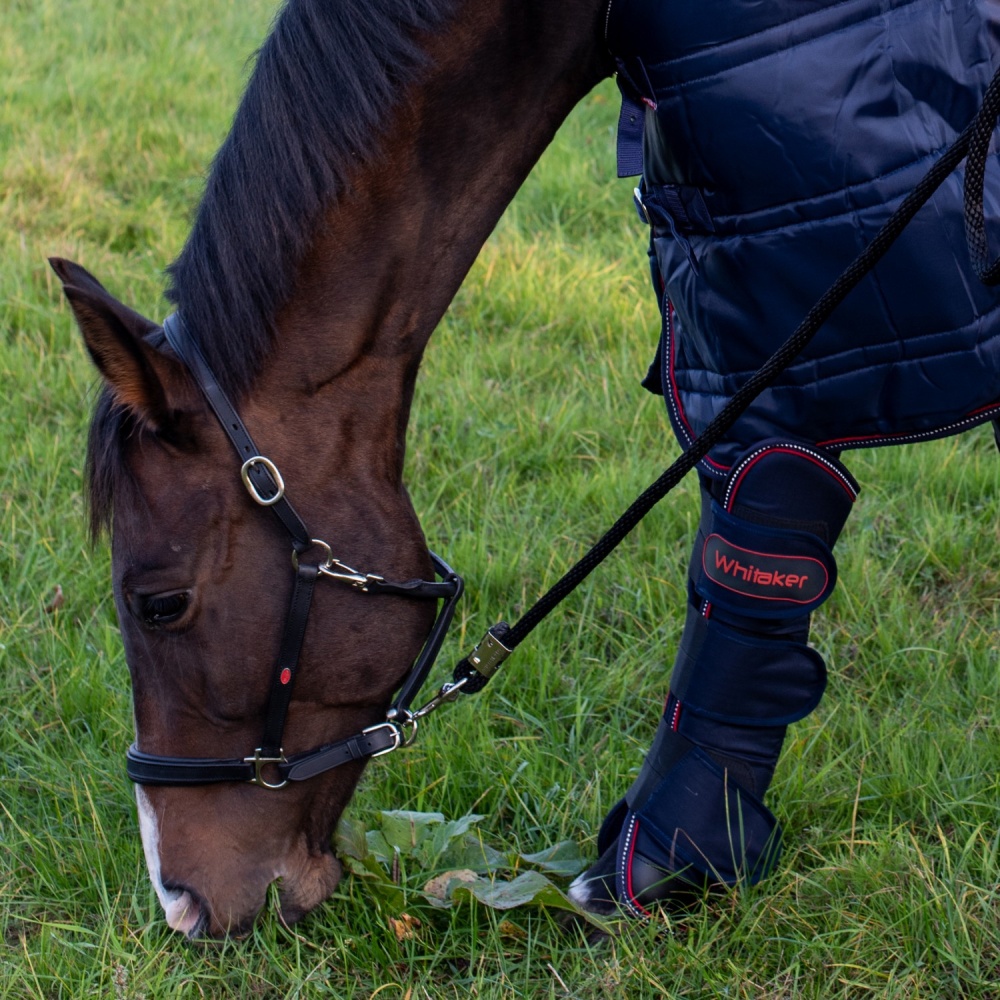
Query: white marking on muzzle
x=182, y=912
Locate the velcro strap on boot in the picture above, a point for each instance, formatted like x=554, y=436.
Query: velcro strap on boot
x=760, y=571
x=764, y=547
x=698, y=818
x=726, y=676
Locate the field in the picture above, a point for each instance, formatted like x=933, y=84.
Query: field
x=530, y=435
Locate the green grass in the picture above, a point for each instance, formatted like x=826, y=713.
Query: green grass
x=530, y=434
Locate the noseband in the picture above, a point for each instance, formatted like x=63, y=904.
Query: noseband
x=265, y=485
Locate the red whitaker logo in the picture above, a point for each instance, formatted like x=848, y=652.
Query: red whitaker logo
x=767, y=576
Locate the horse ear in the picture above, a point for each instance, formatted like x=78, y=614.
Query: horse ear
x=135, y=372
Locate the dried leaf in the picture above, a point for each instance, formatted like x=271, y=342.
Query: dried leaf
x=58, y=600
x=439, y=886
x=405, y=927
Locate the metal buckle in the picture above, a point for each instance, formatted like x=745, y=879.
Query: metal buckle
x=406, y=721
x=258, y=762
x=327, y=554
x=397, y=733
x=275, y=475
x=640, y=206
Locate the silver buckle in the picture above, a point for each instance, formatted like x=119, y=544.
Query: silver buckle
x=397, y=736
x=640, y=206
x=326, y=552
x=275, y=475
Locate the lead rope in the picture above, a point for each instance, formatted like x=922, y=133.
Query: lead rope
x=982, y=129
x=474, y=671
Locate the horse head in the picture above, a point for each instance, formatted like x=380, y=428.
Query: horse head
x=375, y=148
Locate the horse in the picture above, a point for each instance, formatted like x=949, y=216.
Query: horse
x=375, y=147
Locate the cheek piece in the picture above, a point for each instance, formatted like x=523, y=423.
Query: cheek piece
x=762, y=561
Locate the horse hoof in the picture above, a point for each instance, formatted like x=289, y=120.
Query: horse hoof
x=623, y=882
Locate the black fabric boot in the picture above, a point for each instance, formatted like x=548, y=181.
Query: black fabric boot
x=694, y=818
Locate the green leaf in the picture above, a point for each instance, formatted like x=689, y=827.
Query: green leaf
x=439, y=838
x=469, y=852
x=407, y=830
x=350, y=839
x=528, y=889
x=378, y=847
x=563, y=858
x=457, y=848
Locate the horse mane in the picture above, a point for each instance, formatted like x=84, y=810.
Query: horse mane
x=314, y=108
x=312, y=111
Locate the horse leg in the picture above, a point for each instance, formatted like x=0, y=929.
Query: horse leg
x=695, y=819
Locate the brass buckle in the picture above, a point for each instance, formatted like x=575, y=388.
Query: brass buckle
x=258, y=762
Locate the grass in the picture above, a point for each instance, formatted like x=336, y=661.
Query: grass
x=530, y=434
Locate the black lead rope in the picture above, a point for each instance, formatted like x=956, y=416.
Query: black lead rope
x=982, y=129
x=475, y=670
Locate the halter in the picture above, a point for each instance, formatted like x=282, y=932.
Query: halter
x=265, y=485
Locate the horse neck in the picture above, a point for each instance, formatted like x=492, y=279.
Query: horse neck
x=388, y=258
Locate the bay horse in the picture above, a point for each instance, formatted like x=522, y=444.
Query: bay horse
x=376, y=146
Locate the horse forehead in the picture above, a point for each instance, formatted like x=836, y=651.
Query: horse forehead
x=189, y=522
x=171, y=484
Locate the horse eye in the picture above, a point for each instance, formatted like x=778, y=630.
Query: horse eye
x=162, y=609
